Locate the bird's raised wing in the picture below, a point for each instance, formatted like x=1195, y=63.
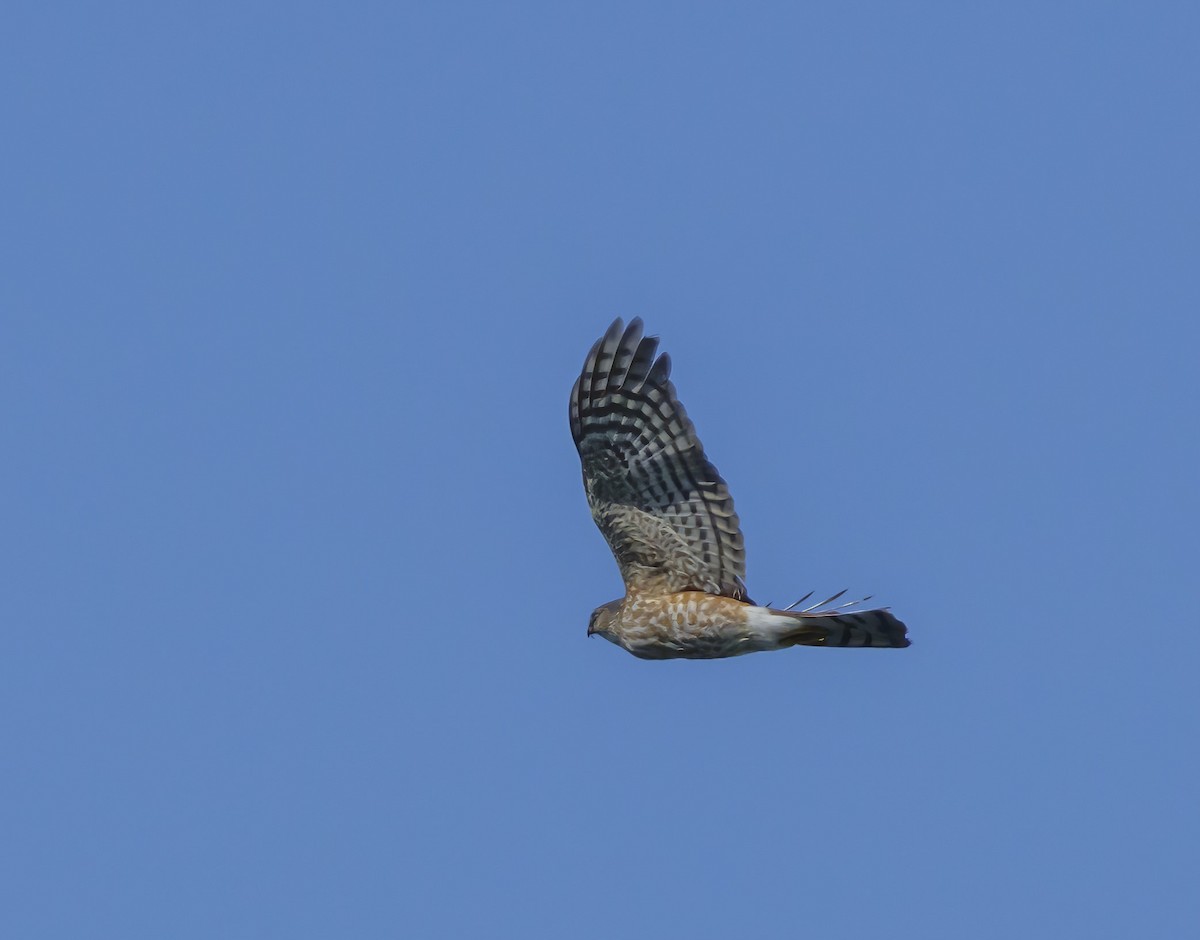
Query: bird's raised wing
x=665, y=511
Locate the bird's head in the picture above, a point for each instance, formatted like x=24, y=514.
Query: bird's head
x=602, y=618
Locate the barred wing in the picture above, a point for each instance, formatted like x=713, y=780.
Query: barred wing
x=665, y=511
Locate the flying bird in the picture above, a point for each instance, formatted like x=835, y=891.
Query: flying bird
x=669, y=519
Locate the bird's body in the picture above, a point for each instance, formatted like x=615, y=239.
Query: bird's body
x=688, y=625
x=695, y=625
x=669, y=519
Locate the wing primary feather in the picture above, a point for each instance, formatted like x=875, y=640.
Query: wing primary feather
x=829, y=600
x=796, y=604
x=639, y=366
x=582, y=390
x=848, y=604
x=624, y=356
x=659, y=372
x=604, y=358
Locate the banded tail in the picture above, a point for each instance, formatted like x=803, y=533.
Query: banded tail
x=862, y=628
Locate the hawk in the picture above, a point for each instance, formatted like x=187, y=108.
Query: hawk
x=668, y=517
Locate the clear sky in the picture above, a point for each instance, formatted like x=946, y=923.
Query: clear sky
x=297, y=563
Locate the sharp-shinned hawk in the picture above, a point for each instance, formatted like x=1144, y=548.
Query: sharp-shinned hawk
x=669, y=519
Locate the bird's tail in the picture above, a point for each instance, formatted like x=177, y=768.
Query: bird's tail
x=814, y=627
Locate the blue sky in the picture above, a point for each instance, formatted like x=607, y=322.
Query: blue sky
x=298, y=564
